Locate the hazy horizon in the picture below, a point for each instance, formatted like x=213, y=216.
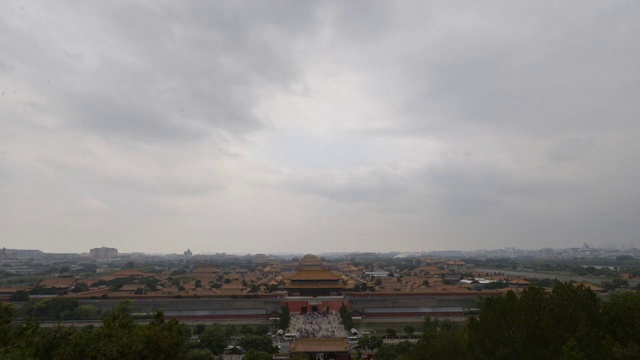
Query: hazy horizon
x=316, y=126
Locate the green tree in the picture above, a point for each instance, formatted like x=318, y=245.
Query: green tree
x=80, y=287
x=256, y=355
x=6, y=331
x=85, y=312
x=117, y=338
x=616, y=284
x=409, y=330
x=573, y=312
x=370, y=342
x=257, y=343
x=529, y=322
x=162, y=339
x=398, y=351
x=621, y=324
x=214, y=339
x=230, y=330
x=571, y=351
x=345, y=315
x=538, y=325
x=493, y=334
x=151, y=284
x=200, y=329
x=19, y=296
x=441, y=340
x=261, y=329
x=246, y=330
x=199, y=354
x=53, y=343
x=59, y=308
x=285, y=317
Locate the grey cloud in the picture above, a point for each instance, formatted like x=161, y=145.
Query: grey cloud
x=173, y=108
x=4, y=169
x=5, y=67
x=476, y=189
x=377, y=186
x=571, y=149
x=102, y=115
x=521, y=72
x=205, y=65
x=458, y=189
x=229, y=43
x=362, y=21
x=166, y=180
x=163, y=187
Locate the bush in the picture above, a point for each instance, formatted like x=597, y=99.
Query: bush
x=256, y=355
x=19, y=296
x=409, y=330
x=257, y=343
x=199, y=354
x=285, y=317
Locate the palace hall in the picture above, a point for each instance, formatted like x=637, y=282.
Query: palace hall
x=316, y=282
x=313, y=280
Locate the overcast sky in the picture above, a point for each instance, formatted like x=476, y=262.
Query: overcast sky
x=316, y=126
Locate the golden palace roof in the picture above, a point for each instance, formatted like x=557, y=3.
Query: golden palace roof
x=319, y=345
x=314, y=275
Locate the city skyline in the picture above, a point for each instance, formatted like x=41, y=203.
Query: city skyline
x=584, y=251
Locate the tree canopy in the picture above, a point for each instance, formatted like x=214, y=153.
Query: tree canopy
x=569, y=322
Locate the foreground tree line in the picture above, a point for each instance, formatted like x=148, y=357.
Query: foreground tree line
x=570, y=322
x=119, y=337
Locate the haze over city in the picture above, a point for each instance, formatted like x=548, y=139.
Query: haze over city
x=318, y=126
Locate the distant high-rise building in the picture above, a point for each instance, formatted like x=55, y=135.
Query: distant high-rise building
x=187, y=253
x=103, y=253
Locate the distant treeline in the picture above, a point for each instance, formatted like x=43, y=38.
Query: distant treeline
x=610, y=268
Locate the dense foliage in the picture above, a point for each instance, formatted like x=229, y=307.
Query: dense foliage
x=118, y=338
x=345, y=315
x=258, y=343
x=285, y=317
x=569, y=322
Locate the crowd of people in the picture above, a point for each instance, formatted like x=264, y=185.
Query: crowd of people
x=317, y=325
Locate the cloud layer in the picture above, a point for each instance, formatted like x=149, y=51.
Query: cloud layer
x=313, y=126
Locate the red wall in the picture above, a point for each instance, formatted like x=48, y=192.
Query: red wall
x=295, y=306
